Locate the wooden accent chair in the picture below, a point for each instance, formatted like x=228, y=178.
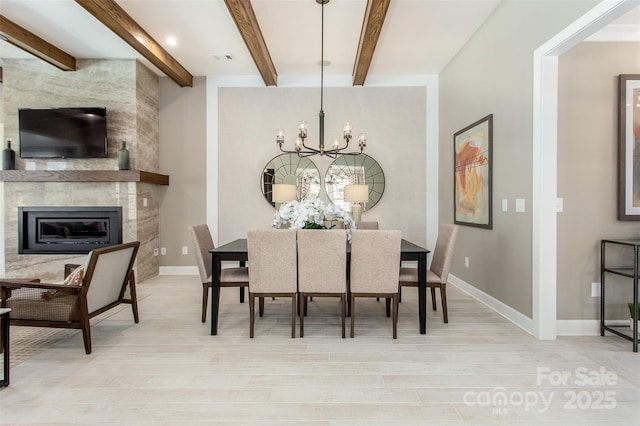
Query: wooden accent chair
x=322, y=266
x=438, y=272
x=101, y=286
x=229, y=277
x=375, y=268
x=273, y=269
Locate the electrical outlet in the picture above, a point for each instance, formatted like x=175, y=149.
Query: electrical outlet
x=185, y=250
x=145, y=202
x=505, y=205
x=163, y=251
x=466, y=262
x=595, y=289
x=155, y=251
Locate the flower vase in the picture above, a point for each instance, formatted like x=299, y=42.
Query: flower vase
x=123, y=157
x=8, y=157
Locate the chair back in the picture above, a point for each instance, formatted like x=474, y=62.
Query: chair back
x=202, y=242
x=375, y=261
x=272, y=260
x=107, y=273
x=443, y=252
x=322, y=260
x=367, y=225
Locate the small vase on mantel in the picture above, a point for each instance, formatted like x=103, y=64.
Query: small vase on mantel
x=8, y=157
x=123, y=157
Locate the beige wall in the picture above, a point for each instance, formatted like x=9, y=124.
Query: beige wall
x=183, y=150
x=394, y=120
x=587, y=174
x=493, y=74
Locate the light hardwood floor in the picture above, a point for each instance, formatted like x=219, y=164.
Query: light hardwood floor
x=169, y=370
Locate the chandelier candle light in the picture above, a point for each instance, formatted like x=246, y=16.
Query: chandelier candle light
x=347, y=131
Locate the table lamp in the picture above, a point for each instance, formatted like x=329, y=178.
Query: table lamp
x=283, y=192
x=356, y=194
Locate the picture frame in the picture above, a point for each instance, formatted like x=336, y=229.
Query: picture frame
x=629, y=147
x=472, y=170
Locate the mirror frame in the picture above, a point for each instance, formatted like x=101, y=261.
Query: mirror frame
x=290, y=168
x=348, y=166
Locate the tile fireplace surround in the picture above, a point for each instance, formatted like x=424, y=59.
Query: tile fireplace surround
x=139, y=222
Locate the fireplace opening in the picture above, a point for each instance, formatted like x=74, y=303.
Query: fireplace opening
x=63, y=230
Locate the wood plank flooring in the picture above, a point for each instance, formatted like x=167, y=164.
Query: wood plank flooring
x=168, y=370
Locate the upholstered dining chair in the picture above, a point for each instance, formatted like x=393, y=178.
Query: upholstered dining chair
x=229, y=277
x=322, y=268
x=438, y=272
x=104, y=281
x=375, y=268
x=273, y=269
x=367, y=224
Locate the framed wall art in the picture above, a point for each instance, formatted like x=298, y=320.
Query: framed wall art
x=629, y=147
x=472, y=165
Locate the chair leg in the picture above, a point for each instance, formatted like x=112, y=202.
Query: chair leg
x=86, y=336
x=343, y=309
x=433, y=298
x=388, y=306
x=134, y=297
x=395, y=316
x=241, y=294
x=443, y=296
x=301, y=302
x=293, y=316
x=352, y=307
x=205, y=299
x=261, y=306
x=251, y=314
x=399, y=294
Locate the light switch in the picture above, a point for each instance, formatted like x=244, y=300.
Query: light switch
x=505, y=205
x=520, y=205
x=559, y=205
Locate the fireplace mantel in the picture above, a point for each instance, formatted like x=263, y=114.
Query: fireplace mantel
x=83, y=176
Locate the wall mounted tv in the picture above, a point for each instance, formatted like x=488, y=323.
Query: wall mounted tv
x=63, y=132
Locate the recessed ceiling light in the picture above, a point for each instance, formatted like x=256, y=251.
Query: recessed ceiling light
x=171, y=41
x=224, y=57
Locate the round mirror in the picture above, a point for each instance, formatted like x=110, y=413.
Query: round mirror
x=293, y=170
x=353, y=170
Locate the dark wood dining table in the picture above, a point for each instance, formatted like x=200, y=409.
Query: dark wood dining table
x=237, y=251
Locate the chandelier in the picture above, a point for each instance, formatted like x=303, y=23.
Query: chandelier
x=301, y=147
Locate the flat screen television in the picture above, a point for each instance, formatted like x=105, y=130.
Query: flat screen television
x=63, y=132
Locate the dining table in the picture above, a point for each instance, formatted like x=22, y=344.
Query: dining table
x=237, y=251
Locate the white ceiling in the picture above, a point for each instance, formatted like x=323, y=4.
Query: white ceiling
x=418, y=37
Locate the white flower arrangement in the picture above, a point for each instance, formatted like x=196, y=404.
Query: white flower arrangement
x=310, y=213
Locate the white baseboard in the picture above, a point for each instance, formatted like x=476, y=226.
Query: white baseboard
x=499, y=307
x=578, y=327
x=178, y=270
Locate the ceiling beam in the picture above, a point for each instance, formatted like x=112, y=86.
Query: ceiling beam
x=117, y=20
x=245, y=19
x=374, y=16
x=31, y=43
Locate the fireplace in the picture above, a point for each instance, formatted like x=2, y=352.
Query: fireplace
x=67, y=230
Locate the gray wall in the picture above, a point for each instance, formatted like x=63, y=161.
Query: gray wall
x=394, y=120
x=183, y=149
x=587, y=173
x=493, y=73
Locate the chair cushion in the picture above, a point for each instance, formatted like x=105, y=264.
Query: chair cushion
x=233, y=275
x=410, y=276
x=30, y=304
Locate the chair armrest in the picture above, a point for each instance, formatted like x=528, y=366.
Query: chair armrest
x=13, y=284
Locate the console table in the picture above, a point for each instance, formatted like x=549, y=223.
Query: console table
x=629, y=271
x=4, y=344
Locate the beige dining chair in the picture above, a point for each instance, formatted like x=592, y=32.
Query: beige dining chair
x=322, y=268
x=273, y=269
x=438, y=273
x=229, y=277
x=375, y=268
x=367, y=224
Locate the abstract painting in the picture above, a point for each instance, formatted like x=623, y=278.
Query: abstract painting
x=472, y=158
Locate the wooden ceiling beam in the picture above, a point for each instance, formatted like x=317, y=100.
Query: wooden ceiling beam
x=245, y=19
x=374, y=16
x=31, y=43
x=120, y=22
